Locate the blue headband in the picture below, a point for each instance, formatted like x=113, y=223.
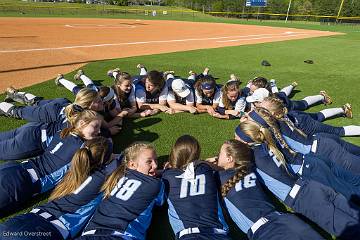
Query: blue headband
x=207, y=86
x=242, y=135
x=257, y=118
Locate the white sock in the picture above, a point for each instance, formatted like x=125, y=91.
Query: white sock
x=169, y=76
x=274, y=88
x=115, y=74
x=67, y=84
x=287, y=90
x=311, y=100
x=352, y=130
x=86, y=80
x=143, y=71
x=5, y=106
x=29, y=96
x=192, y=77
x=330, y=112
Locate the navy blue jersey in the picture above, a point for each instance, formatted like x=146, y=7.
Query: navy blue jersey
x=194, y=202
x=285, y=99
x=75, y=209
x=202, y=99
x=274, y=175
x=128, y=211
x=147, y=97
x=51, y=166
x=246, y=202
x=295, y=139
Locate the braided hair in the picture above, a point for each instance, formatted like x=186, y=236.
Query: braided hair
x=279, y=111
x=242, y=156
x=274, y=128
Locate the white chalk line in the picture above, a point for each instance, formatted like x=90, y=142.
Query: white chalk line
x=82, y=26
x=237, y=40
x=247, y=37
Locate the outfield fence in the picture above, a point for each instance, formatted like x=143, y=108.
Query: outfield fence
x=113, y=11
x=261, y=16
x=96, y=10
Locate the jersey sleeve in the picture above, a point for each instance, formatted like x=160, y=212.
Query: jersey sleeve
x=170, y=96
x=217, y=97
x=131, y=97
x=164, y=94
x=190, y=98
x=198, y=97
x=140, y=95
x=161, y=196
x=240, y=105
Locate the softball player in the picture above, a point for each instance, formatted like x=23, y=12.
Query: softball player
x=309, y=165
x=72, y=87
x=191, y=190
x=207, y=94
x=180, y=96
x=248, y=205
x=74, y=200
x=232, y=103
x=306, y=122
x=125, y=93
x=261, y=93
x=47, y=111
x=21, y=181
x=130, y=193
x=151, y=92
x=321, y=204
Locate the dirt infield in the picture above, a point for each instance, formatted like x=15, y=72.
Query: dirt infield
x=33, y=50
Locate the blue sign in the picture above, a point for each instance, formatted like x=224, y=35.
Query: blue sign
x=256, y=3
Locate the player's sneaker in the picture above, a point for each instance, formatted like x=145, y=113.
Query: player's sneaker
x=140, y=66
x=206, y=71
x=10, y=94
x=78, y=75
x=327, y=99
x=347, y=110
x=111, y=72
x=294, y=84
x=167, y=73
x=57, y=80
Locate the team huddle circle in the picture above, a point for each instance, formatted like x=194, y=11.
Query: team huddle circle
x=96, y=194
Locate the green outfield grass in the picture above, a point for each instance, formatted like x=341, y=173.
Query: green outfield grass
x=335, y=70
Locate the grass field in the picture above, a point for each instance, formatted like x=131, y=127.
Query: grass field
x=335, y=70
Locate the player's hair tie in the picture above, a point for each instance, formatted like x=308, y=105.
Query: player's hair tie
x=232, y=81
x=257, y=118
x=109, y=96
x=243, y=136
x=77, y=108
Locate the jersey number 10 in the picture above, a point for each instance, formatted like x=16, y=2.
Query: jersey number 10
x=197, y=186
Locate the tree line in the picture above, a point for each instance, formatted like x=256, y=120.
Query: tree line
x=305, y=7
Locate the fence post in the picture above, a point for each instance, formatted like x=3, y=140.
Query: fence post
x=288, y=10
x=341, y=6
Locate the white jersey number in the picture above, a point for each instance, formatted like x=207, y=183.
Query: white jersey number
x=127, y=189
x=248, y=182
x=197, y=186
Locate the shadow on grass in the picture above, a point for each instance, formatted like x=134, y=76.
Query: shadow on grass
x=133, y=131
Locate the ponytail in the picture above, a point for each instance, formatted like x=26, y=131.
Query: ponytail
x=95, y=154
x=279, y=111
x=260, y=134
x=75, y=114
x=274, y=128
x=130, y=154
x=78, y=172
x=242, y=156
